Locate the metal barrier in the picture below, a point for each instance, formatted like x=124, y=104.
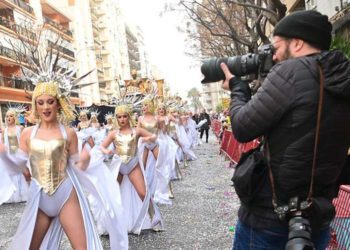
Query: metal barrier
x=234, y=149
x=341, y=224
x=216, y=127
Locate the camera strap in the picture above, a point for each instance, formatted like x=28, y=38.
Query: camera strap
x=267, y=150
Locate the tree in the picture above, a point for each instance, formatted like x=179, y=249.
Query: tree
x=194, y=95
x=229, y=27
x=219, y=108
x=342, y=44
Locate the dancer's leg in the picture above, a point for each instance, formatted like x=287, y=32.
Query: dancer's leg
x=42, y=224
x=71, y=219
x=137, y=179
x=155, y=152
x=145, y=156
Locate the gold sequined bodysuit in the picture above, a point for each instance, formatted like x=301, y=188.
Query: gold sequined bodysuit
x=172, y=129
x=13, y=143
x=126, y=146
x=48, y=160
x=150, y=126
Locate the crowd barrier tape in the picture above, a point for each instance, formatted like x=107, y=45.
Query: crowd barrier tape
x=340, y=239
x=233, y=149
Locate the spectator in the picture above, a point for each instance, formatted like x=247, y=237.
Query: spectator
x=205, y=126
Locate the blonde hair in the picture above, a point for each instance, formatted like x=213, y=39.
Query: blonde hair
x=51, y=89
x=124, y=109
x=150, y=105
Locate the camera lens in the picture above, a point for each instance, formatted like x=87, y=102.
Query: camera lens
x=238, y=65
x=299, y=236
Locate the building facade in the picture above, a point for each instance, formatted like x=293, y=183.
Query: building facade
x=31, y=22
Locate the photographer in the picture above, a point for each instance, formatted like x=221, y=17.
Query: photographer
x=284, y=110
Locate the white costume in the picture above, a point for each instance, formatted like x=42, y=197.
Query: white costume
x=157, y=170
x=55, y=188
x=135, y=210
x=20, y=192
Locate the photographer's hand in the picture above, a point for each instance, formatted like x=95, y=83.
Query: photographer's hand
x=228, y=76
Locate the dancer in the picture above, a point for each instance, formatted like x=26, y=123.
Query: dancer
x=127, y=167
x=83, y=119
x=84, y=131
x=109, y=126
x=164, y=188
x=16, y=190
x=56, y=198
x=173, y=133
x=154, y=155
x=94, y=121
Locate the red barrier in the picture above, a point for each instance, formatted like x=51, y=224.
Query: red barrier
x=232, y=148
x=216, y=127
x=341, y=223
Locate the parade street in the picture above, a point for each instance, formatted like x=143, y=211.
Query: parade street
x=202, y=215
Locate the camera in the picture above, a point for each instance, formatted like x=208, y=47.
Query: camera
x=239, y=65
x=299, y=226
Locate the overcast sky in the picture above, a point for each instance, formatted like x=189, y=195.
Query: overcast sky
x=164, y=43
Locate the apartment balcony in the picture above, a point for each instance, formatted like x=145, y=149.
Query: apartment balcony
x=100, y=73
x=102, y=85
x=19, y=5
x=62, y=49
x=16, y=83
x=17, y=29
x=11, y=57
x=97, y=42
x=58, y=28
x=102, y=25
x=94, y=15
x=103, y=37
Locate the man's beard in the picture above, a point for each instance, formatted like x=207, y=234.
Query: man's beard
x=286, y=54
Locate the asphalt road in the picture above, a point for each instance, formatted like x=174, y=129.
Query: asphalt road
x=202, y=215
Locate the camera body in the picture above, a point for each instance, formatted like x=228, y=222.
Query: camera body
x=299, y=227
x=250, y=63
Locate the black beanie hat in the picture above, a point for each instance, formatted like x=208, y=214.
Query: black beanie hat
x=308, y=25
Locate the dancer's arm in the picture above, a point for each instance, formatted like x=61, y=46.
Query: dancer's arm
x=145, y=135
x=106, y=142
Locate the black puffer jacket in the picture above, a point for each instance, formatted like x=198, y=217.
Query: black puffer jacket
x=285, y=110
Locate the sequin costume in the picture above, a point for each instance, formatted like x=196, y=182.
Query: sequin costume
x=157, y=170
x=53, y=179
x=126, y=159
x=19, y=193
